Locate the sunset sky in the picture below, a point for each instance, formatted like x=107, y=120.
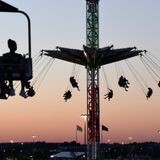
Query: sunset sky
x=123, y=23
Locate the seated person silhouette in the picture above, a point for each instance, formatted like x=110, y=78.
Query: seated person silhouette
x=123, y=82
x=159, y=84
x=67, y=95
x=109, y=95
x=74, y=83
x=14, y=62
x=149, y=93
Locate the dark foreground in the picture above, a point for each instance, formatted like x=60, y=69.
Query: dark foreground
x=43, y=151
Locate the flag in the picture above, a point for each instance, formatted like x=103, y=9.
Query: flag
x=104, y=128
x=79, y=128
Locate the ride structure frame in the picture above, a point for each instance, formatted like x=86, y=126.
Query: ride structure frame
x=93, y=57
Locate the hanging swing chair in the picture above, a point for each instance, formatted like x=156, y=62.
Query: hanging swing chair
x=14, y=66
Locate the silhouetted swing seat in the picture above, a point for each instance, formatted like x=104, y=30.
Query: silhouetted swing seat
x=123, y=82
x=74, y=83
x=109, y=95
x=67, y=95
x=14, y=66
x=149, y=93
x=159, y=84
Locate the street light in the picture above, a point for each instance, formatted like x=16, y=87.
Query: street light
x=158, y=132
x=11, y=141
x=84, y=116
x=130, y=139
x=33, y=137
x=108, y=140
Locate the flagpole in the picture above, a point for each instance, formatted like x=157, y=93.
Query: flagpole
x=104, y=128
x=78, y=128
x=76, y=134
x=101, y=136
x=84, y=116
x=76, y=138
x=101, y=143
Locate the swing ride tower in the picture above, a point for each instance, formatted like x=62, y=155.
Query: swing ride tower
x=92, y=57
x=93, y=109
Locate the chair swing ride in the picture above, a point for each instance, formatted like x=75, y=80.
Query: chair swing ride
x=15, y=67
